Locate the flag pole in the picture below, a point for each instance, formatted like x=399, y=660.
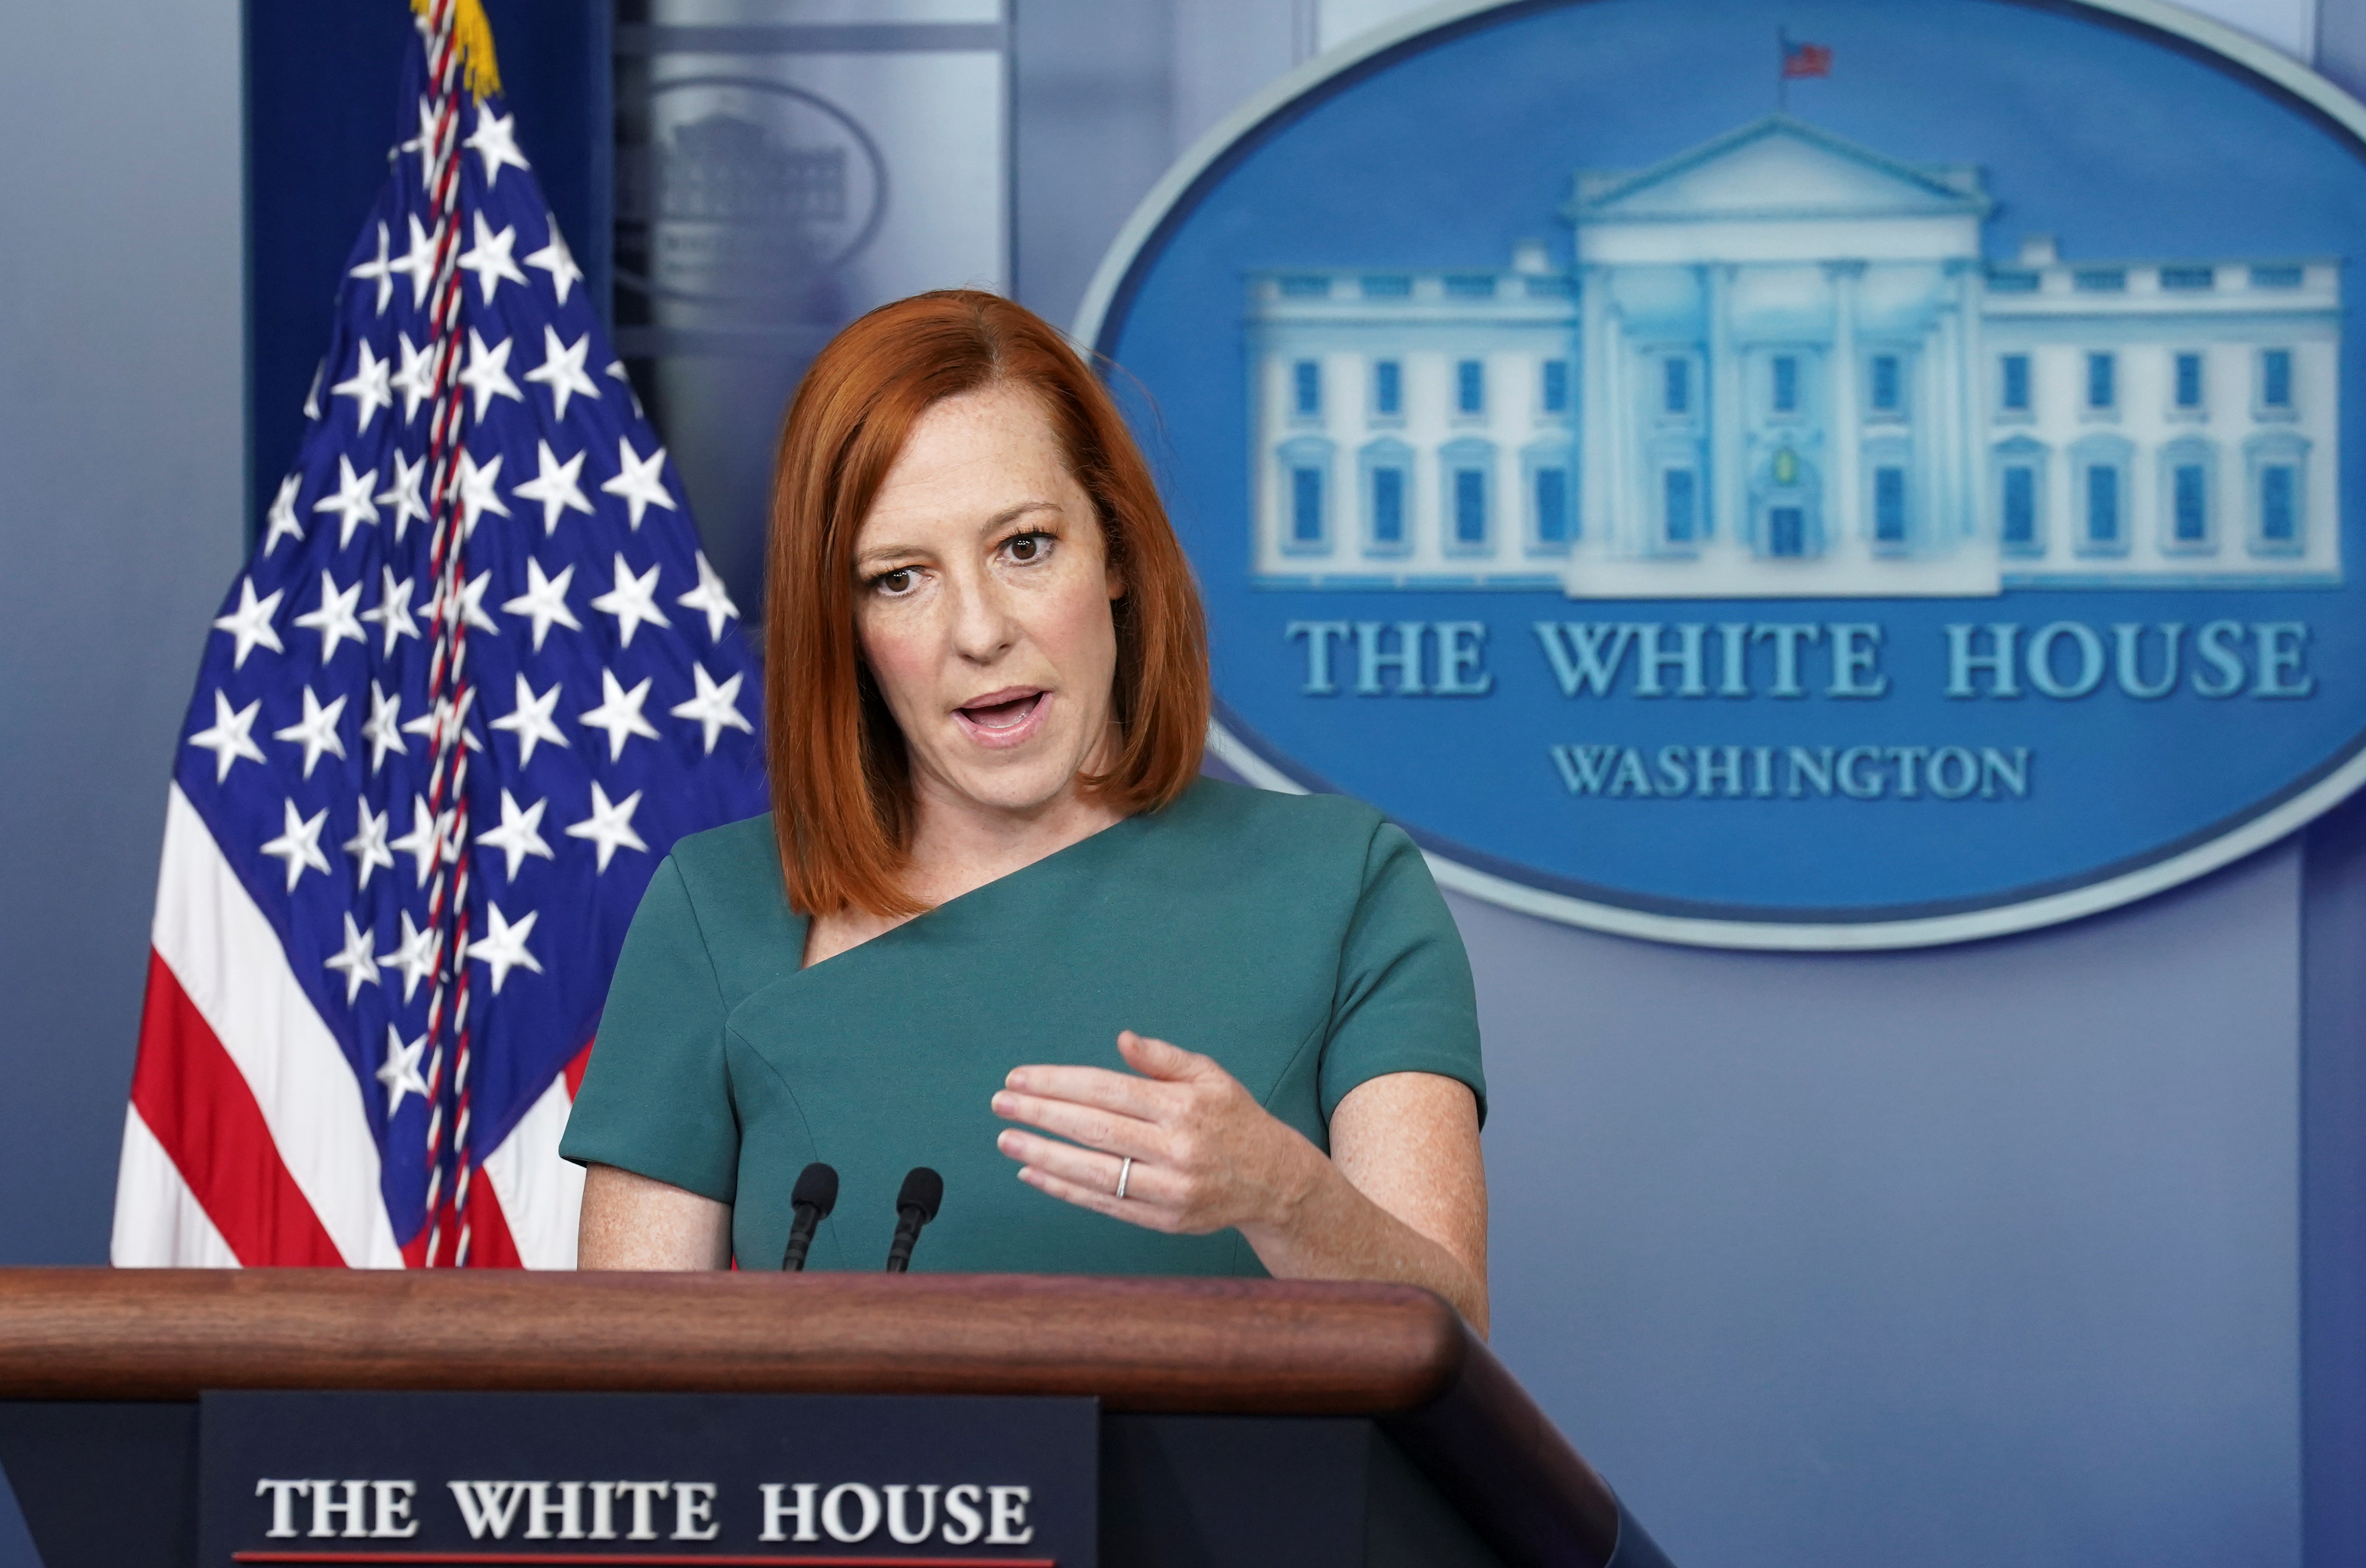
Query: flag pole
x=1782, y=71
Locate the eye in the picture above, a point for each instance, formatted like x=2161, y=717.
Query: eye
x=1029, y=548
x=894, y=584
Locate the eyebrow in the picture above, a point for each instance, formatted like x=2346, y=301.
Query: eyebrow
x=1008, y=515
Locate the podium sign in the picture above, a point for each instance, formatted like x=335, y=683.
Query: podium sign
x=638, y=1478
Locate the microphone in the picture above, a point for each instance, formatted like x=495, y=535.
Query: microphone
x=814, y=1197
x=916, y=1205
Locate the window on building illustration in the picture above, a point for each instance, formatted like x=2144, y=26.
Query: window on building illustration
x=1469, y=387
x=1387, y=387
x=1887, y=389
x=2019, y=530
x=1890, y=505
x=2104, y=505
x=2188, y=381
x=1552, y=506
x=1556, y=386
x=1305, y=288
x=1306, y=387
x=1786, y=531
x=2102, y=381
x=2275, y=277
x=2189, y=503
x=1678, y=492
x=2276, y=379
x=1785, y=389
x=1388, y=288
x=2100, y=281
x=1470, y=506
x=2188, y=277
x=2279, y=509
x=1306, y=505
x=1675, y=385
x=2014, y=395
x=1473, y=286
x=1388, y=506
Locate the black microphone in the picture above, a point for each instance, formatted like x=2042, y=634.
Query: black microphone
x=916, y=1205
x=815, y=1196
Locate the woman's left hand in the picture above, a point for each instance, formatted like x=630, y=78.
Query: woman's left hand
x=1205, y=1155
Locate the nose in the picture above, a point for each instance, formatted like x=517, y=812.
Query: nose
x=984, y=624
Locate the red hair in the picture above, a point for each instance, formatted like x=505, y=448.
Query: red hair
x=840, y=776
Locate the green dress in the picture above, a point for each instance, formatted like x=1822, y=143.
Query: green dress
x=1298, y=940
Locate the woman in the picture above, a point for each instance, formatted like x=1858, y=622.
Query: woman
x=1220, y=1030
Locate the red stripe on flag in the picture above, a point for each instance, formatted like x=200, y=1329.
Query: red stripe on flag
x=198, y=1105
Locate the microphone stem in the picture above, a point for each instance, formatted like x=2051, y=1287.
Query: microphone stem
x=907, y=1232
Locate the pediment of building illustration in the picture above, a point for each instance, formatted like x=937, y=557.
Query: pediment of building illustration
x=1777, y=168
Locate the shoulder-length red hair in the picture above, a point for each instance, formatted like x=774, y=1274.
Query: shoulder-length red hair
x=840, y=775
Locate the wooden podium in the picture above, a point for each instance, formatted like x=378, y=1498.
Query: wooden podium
x=1241, y=1421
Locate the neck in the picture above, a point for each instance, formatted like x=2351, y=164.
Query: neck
x=959, y=845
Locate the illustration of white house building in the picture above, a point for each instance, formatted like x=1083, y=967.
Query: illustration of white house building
x=1780, y=366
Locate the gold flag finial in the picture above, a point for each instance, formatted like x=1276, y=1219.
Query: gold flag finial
x=472, y=35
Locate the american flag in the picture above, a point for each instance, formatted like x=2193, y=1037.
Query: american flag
x=475, y=680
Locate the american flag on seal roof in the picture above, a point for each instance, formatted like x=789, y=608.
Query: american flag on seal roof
x=474, y=681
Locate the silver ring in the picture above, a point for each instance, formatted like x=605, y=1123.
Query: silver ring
x=1125, y=1174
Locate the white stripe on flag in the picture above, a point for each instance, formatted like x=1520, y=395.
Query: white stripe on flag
x=229, y=962
x=541, y=1194
x=159, y=1223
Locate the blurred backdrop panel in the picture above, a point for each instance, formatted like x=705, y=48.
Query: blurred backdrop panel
x=783, y=166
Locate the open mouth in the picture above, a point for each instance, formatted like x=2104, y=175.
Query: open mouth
x=1003, y=715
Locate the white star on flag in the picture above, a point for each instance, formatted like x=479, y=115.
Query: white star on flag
x=478, y=494
x=400, y=1072
x=639, y=480
x=557, y=260
x=544, y=600
x=711, y=598
x=393, y=611
x=472, y=603
x=619, y=712
x=334, y=620
x=419, y=263
x=488, y=373
x=495, y=140
x=609, y=826
x=554, y=485
x=357, y=962
x=380, y=272
x=251, y=622
x=403, y=494
x=414, y=380
x=316, y=732
x=716, y=708
x=229, y=738
x=503, y=944
x=414, y=954
x=353, y=502
x=284, y=523
x=633, y=602
x=562, y=370
x=519, y=835
x=425, y=838
x=299, y=843
x=531, y=722
x=370, y=386
x=383, y=731
x=368, y=845
x=488, y=258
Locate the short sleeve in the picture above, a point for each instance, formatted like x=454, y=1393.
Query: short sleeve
x=656, y=1098
x=1405, y=1003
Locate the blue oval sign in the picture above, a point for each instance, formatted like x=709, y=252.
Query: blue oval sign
x=1849, y=474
